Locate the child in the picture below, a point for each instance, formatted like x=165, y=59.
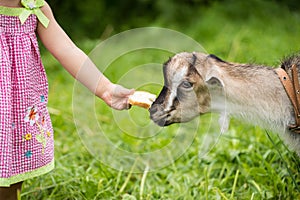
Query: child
x=26, y=134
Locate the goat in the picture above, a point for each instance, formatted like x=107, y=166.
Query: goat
x=198, y=83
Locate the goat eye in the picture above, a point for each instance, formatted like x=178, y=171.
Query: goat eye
x=186, y=84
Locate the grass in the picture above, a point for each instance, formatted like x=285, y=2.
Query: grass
x=244, y=164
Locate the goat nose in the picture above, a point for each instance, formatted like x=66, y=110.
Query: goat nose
x=155, y=108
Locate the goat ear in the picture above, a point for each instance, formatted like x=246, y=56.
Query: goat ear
x=214, y=82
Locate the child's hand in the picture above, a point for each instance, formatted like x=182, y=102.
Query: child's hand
x=116, y=96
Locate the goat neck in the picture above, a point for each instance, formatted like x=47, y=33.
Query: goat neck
x=250, y=92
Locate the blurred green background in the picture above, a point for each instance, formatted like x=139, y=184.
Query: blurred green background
x=91, y=18
x=244, y=164
x=228, y=23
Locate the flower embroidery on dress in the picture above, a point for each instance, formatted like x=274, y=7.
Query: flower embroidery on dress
x=31, y=5
x=42, y=98
x=28, y=136
x=43, y=120
x=13, y=125
x=32, y=116
x=48, y=133
x=28, y=154
x=41, y=139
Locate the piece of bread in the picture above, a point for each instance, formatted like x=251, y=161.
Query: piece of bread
x=142, y=99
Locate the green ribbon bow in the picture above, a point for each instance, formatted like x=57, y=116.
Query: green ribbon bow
x=33, y=7
x=29, y=7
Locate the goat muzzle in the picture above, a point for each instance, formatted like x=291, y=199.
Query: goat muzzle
x=158, y=115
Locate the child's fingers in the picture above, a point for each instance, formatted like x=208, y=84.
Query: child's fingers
x=120, y=91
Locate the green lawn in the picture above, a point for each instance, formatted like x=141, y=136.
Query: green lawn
x=244, y=163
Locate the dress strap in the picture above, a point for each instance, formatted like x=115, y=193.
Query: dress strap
x=29, y=7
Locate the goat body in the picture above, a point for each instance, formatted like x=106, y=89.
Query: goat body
x=197, y=83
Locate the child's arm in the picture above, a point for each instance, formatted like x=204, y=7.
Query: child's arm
x=74, y=60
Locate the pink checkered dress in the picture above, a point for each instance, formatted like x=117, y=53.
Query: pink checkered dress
x=26, y=134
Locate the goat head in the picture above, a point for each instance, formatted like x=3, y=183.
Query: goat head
x=184, y=94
